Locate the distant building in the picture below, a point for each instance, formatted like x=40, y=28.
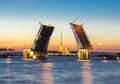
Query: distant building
x=67, y=51
x=6, y=49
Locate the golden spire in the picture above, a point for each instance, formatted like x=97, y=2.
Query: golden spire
x=61, y=45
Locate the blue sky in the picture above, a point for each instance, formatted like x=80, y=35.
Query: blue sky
x=20, y=16
x=61, y=8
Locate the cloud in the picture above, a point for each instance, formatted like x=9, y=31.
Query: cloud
x=17, y=2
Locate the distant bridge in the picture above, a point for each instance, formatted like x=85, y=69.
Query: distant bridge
x=104, y=53
x=11, y=53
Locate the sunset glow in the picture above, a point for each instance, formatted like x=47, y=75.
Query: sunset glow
x=18, y=22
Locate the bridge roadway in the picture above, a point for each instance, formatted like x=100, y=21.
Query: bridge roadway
x=12, y=53
x=103, y=52
x=91, y=52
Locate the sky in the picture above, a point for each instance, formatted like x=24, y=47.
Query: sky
x=19, y=22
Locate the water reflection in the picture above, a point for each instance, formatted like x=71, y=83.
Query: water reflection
x=104, y=61
x=47, y=77
x=8, y=60
x=8, y=71
x=86, y=73
x=118, y=60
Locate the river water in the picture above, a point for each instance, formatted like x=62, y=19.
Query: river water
x=58, y=70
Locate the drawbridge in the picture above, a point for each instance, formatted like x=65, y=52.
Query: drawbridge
x=40, y=44
x=82, y=41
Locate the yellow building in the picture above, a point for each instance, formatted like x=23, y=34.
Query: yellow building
x=67, y=51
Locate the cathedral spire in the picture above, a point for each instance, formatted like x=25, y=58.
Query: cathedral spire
x=61, y=45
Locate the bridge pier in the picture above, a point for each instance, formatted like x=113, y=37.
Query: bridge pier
x=40, y=55
x=27, y=53
x=83, y=54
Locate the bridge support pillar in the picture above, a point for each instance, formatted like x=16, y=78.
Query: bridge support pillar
x=83, y=54
x=27, y=53
x=40, y=55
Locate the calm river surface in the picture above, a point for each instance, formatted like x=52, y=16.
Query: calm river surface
x=58, y=70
